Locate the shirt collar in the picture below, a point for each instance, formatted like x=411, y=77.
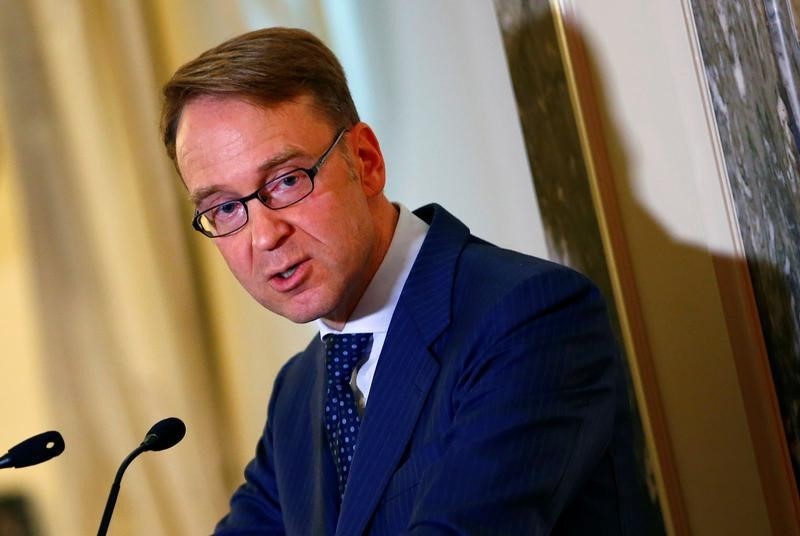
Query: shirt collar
x=376, y=306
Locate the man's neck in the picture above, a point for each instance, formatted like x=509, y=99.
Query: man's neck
x=376, y=304
x=385, y=216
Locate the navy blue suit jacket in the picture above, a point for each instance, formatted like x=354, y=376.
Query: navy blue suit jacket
x=497, y=407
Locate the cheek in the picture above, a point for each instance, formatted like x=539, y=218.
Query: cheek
x=348, y=238
x=355, y=254
x=236, y=255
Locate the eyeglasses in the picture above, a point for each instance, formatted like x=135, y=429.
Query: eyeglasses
x=282, y=191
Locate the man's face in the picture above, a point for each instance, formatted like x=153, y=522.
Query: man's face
x=310, y=260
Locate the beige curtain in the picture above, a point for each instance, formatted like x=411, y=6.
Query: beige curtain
x=118, y=310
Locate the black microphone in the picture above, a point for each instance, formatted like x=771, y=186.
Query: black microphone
x=36, y=449
x=163, y=435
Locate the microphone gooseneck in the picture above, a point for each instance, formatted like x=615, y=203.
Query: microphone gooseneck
x=163, y=435
x=36, y=449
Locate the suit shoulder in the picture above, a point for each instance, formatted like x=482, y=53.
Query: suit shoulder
x=487, y=270
x=493, y=284
x=499, y=292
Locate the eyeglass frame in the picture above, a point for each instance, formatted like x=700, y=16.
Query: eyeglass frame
x=311, y=172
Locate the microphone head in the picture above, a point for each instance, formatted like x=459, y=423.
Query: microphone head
x=36, y=449
x=164, y=434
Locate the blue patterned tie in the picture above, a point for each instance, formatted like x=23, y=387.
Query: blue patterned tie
x=341, y=416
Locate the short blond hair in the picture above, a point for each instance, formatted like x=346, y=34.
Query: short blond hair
x=269, y=66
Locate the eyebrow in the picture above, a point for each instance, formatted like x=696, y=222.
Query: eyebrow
x=274, y=161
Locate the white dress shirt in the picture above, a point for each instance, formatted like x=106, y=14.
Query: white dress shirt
x=376, y=307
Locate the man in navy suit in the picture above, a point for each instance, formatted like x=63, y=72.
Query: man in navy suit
x=454, y=388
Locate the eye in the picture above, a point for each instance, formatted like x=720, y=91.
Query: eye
x=226, y=211
x=284, y=183
x=227, y=208
x=286, y=189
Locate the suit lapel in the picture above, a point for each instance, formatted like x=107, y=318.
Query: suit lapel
x=406, y=369
x=325, y=506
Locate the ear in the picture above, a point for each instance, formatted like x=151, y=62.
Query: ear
x=368, y=159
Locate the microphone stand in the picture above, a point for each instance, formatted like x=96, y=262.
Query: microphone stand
x=112, y=496
x=164, y=434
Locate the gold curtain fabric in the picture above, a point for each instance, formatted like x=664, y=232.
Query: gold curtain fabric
x=120, y=301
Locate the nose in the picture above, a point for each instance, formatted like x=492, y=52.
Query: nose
x=268, y=229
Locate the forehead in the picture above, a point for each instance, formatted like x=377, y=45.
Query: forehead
x=214, y=130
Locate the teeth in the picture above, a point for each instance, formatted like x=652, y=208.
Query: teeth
x=288, y=273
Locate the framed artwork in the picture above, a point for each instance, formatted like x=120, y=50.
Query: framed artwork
x=749, y=60
x=572, y=181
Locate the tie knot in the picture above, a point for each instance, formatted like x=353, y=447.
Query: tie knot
x=343, y=351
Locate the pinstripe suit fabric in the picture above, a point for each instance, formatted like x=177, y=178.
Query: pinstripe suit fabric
x=497, y=407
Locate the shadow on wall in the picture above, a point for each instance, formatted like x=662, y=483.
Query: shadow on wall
x=561, y=182
x=680, y=277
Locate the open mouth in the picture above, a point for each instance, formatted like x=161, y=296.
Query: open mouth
x=290, y=278
x=288, y=273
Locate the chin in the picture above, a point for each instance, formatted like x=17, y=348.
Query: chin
x=307, y=306
x=300, y=318
x=297, y=313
